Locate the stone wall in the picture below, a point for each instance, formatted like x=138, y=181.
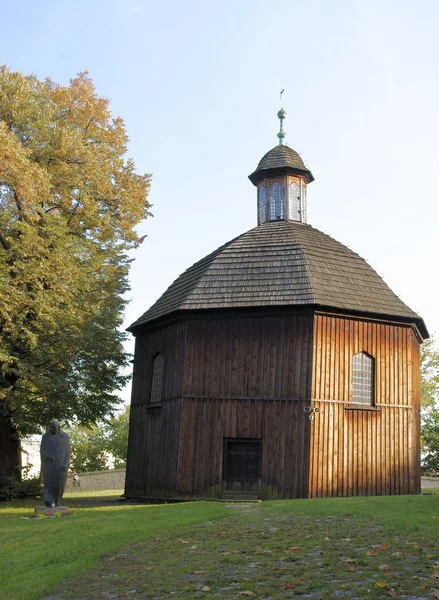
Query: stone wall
x=96, y=480
x=427, y=482
x=115, y=480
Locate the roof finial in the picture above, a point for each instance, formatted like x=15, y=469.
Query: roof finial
x=281, y=115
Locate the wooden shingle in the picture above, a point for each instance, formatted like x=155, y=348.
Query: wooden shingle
x=283, y=263
x=281, y=159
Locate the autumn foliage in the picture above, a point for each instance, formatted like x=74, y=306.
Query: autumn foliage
x=69, y=204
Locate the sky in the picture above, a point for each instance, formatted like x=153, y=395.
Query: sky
x=197, y=84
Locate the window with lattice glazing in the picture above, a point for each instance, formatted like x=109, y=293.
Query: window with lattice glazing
x=294, y=203
x=262, y=204
x=303, y=216
x=277, y=204
x=363, y=379
x=157, y=378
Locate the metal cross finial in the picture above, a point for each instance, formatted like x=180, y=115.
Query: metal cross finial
x=281, y=115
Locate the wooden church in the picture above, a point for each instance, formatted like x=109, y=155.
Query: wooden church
x=279, y=366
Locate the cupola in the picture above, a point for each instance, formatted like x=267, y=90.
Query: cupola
x=281, y=178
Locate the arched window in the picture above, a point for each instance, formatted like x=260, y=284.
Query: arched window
x=277, y=208
x=363, y=377
x=157, y=378
x=262, y=205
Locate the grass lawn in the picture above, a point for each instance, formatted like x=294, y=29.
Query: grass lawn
x=353, y=548
x=37, y=553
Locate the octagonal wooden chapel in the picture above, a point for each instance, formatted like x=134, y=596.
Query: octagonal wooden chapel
x=279, y=366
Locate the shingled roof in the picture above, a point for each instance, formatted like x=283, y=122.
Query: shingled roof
x=283, y=263
x=280, y=159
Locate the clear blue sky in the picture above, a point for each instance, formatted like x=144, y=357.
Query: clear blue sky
x=198, y=83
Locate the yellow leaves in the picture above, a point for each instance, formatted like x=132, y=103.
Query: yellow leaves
x=378, y=550
x=25, y=182
x=288, y=585
x=381, y=584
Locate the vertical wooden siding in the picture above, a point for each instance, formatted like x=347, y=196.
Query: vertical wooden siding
x=365, y=452
x=170, y=341
x=154, y=432
x=153, y=450
x=282, y=426
x=233, y=368
x=263, y=357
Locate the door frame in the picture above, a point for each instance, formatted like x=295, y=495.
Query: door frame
x=226, y=442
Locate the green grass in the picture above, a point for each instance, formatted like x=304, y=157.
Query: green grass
x=38, y=553
x=432, y=490
x=348, y=548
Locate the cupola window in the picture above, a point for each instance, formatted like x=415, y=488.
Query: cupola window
x=363, y=379
x=262, y=204
x=303, y=196
x=297, y=201
x=294, y=203
x=157, y=378
x=277, y=201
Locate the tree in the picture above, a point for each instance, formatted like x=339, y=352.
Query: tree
x=430, y=408
x=100, y=446
x=117, y=437
x=69, y=204
x=88, y=449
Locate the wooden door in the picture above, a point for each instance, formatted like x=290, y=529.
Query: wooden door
x=242, y=464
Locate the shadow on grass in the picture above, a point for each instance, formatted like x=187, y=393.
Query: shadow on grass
x=38, y=553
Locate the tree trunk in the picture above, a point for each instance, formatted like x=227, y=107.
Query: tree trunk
x=10, y=449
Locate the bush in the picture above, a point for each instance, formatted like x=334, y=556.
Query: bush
x=28, y=488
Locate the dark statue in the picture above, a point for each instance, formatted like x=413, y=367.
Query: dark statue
x=55, y=459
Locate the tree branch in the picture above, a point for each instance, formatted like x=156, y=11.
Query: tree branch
x=19, y=203
x=4, y=242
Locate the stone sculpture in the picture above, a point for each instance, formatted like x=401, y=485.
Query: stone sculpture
x=55, y=459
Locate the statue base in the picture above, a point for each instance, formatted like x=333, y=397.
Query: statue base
x=49, y=511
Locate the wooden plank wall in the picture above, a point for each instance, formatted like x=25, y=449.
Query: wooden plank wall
x=170, y=341
x=360, y=452
x=263, y=357
x=247, y=377
x=153, y=450
x=154, y=432
x=282, y=425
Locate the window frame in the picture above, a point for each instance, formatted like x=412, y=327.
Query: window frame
x=157, y=380
x=364, y=395
x=262, y=204
x=276, y=198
